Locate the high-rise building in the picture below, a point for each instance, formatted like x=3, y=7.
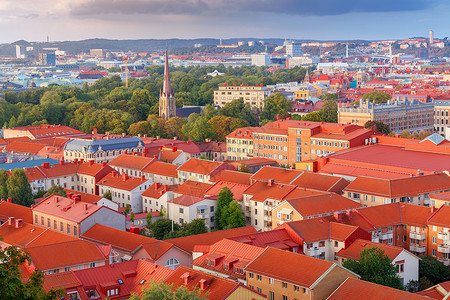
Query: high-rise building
x=20, y=52
x=47, y=59
x=261, y=59
x=293, y=49
x=431, y=37
x=167, y=108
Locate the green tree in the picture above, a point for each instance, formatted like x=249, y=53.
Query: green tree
x=127, y=209
x=375, y=266
x=149, y=219
x=329, y=111
x=330, y=96
x=433, y=270
x=196, y=226
x=12, y=286
x=377, y=126
x=232, y=217
x=377, y=96
x=107, y=195
x=244, y=168
x=314, y=116
x=3, y=180
x=163, y=291
x=275, y=104
x=174, y=127
x=132, y=218
x=162, y=226
x=56, y=189
x=223, y=200
x=19, y=188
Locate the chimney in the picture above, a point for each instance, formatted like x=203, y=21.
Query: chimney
x=145, y=150
x=270, y=182
x=9, y=200
x=85, y=207
x=186, y=278
x=61, y=162
x=125, y=152
x=104, y=164
x=94, y=130
x=142, y=178
x=91, y=162
x=337, y=216
x=11, y=220
x=160, y=147
x=56, y=199
x=349, y=214
x=75, y=160
x=157, y=185
x=81, y=160
x=46, y=165
x=69, y=195
x=433, y=209
x=19, y=223
x=165, y=188
x=124, y=176
x=203, y=284
x=174, y=149
x=76, y=199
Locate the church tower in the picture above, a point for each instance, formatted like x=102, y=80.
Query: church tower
x=167, y=107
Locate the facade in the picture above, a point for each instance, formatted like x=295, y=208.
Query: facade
x=131, y=164
x=100, y=151
x=240, y=144
x=73, y=217
x=272, y=273
x=167, y=108
x=42, y=131
x=252, y=95
x=185, y=208
x=260, y=59
x=408, y=115
x=293, y=49
x=441, y=118
x=438, y=237
x=161, y=172
x=200, y=170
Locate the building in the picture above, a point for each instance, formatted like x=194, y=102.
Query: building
x=252, y=95
x=439, y=199
x=415, y=190
x=167, y=108
x=131, y=164
x=161, y=172
x=438, y=238
x=285, y=275
x=21, y=51
x=103, y=150
x=406, y=263
x=9, y=209
x=441, y=118
x=47, y=59
x=413, y=115
x=260, y=59
x=200, y=170
x=73, y=217
x=155, y=197
x=96, y=52
x=39, y=132
x=240, y=144
x=293, y=49
x=438, y=291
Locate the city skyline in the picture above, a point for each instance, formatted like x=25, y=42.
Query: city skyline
x=134, y=19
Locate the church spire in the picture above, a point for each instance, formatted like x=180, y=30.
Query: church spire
x=306, y=79
x=166, y=92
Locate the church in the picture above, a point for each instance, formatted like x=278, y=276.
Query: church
x=167, y=108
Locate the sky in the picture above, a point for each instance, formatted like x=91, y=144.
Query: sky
x=34, y=20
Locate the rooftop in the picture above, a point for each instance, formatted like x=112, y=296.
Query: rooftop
x=199, y=166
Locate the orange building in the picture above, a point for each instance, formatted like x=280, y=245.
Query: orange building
x=438, y=241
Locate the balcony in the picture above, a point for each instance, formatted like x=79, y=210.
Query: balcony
x=267, y=218
x=375, y=239
x=267, y=207
x=247, y=202
x=417, y=236
x=443, y=236
x=444, y=261
x=417, y=248
x=315, y=251
x=248, y=213
x=443, y=248
x=202, y=215
x=386, y=236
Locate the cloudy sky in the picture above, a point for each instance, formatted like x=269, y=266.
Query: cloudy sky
x=33, y=20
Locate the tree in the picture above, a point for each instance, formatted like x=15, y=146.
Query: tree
x=196, y=226
x=163, y=226
x=174, y=127
x=244, y=168
x=107, y=195
x=275, y=104
x=329, y=111
x=11, y=283
x=3, y=188
x=433, y=270
x=223, y=200
x=232, y=217
x=149, y=219
x=377, y=96
x=314, y=116
x=375, y=266
x=19, y=188
x=378, y=126
x=330, y=96
x=163, y=291
x=127, y=209
x=56, y=189
x=132, y=218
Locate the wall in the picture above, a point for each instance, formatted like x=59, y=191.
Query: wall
x=104, y=216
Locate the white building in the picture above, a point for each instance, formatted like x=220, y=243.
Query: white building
x=293, y=49
x=261, y=59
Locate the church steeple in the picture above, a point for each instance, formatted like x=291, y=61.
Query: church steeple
x=167, y=107
x=306, y=79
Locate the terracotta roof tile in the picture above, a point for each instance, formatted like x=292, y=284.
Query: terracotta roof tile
x=17, y=211
x=193, y=188
x=131, y=162
x=441, y=217
x=156, y=190
x=260, y=191
x=236, y=188
x=275, y=238
x=232, y=176
x=162, y=168
x=433, y=292
x=280, y=175
x=200, y=166
x=321, y=182
x=122, y=182
x=354, y=250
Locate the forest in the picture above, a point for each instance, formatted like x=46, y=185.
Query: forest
x=110, y=107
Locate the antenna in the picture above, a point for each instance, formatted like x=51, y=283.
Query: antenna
x=126, y=71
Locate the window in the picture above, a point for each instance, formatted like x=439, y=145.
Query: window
x=433, y=252
x=271, y=295
x=172, y=263
x=258, y=277
x=55, y=224
x=62, y=226
x=259, y=290
x=68, y=228
x=92, y=265
x=250, y=275
x=36, y=219
x=284, y=297
x=434, y=240
x=284, y=285
x=296, y=288
x=271, y=281
x=305, y=291
x=75, y=230
x=336, y=243
x=322, y=244
x=42, y=220
x=181, y=220
x=181, y=210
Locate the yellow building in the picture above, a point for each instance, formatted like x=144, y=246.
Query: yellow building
x=253, y=95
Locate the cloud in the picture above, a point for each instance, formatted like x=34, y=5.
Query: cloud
x=229, y=7
x=29, y=16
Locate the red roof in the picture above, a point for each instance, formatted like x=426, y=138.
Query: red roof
x=209, y=238
x=352, y=289
x=131, y=162
x=8, y=209
x=279, y=175
x=193, y=188
x=24, y=147
x=85, y=197
x=200, y=166
x=321, y=182
x=354, y=250
x=235, y=188
x=46, y=131
x=441, y=217
x=186, y=200
x=279, y=264
x=122, y=182
x=439, y=291
x=162, y=168
x=260, y=191
x=156, y=190
x=232, y=176
x=275, y=238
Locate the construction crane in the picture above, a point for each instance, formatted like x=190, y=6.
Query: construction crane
x=126, y=71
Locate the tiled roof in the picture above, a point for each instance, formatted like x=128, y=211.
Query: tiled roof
x=276, y=263
x=441, y=216
x=121, y=182
x=260, y=191
x=236, y=189
x=92, y=146
x=168, y=155
x=17, y=211
x=439, y=291
x=199, y=166
x=354, y=250
x=352, y=289
x=232, y=176
x=156, y=190
x=162, y=168
x=209, y=238
x=68, y=253
x=322, y=204
x=119, y=239
x=186, y=200
x=66, y=208
x=217, y=288
x=321, y=182
x=85, y=197
x=275, y=238
x=393, y=188
x=445, y=196
x=45, y=131
x=224, y=250
x=280, y=175
x=131, y=162
x=92, y=169
x=193, y=188
x=56, y=281
x=24, y=147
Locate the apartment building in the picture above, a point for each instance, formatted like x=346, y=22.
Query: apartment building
x=439, y=199
x=155, y=197
x=131, y=164
x=288, y=141
x=161, y=172
x=441, y=111
x=185, y=208
x=410, y=115
x=272, y=273
x=438, y=238
x=415, y=189
x=200, y=170
x=39, y=132
x=252, y=95
x=73, y=217
x=240, y=144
